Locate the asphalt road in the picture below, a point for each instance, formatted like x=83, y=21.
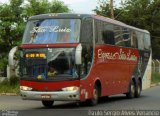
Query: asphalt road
x=149, y=100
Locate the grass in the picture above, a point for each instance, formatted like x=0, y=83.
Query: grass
x=155, y=77
x=10, y=86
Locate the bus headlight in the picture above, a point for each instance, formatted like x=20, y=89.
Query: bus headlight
x=73, y=88
x=25, y=88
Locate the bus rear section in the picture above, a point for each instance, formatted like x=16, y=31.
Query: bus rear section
x=121, y=60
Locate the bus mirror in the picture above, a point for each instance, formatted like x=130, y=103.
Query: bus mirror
x=78, y=54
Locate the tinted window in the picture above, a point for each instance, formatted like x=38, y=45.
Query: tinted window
x=108, y=37
x=87, y=46
x=126, y=35
x=104, y=32
x=118, y=36
x=140, y=37
x=98, y=31
x=134, y=43
x=147, y=44
x=87, y=31
x=52, y=31
x=48, y=64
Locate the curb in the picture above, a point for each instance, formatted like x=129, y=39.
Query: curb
x=155, y=84
x=8, y=94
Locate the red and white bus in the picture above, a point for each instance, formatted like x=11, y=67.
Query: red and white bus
x=80, y=57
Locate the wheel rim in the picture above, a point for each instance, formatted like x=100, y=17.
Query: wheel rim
x=95, y=94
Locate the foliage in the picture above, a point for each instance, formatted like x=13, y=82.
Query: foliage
x=3, y=66
x=155, y=78
x=13, y=18
x=144, y=14
x=35, y=7
x=104, y=9
x=10, y=86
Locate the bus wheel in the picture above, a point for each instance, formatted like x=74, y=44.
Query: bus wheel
x=94, y=100
x=47, y=104
x=132, y=90
x=138, y=90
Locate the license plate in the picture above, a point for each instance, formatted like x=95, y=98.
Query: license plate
x=46, y=96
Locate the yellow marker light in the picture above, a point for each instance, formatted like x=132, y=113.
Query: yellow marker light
x=32, y=55
x=37, y=55
x=27, y=55
x=42, y=55
x=39, y=77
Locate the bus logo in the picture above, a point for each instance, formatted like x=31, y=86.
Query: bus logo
x=121, y=55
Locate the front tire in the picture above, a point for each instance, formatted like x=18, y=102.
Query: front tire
x=132, y=90
x=47, y=104
x=94, y=100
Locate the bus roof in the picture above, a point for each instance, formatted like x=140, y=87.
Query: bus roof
x=59, y=15
x=81, y=16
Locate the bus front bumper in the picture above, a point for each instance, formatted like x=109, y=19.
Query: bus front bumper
x=55, y=95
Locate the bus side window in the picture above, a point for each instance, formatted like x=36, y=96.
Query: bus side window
x=122, y=36
x=118, y=36
x=147, y=43
x=108, y=37
x=87, y=45
x=126, y=37
x=98, y=31
x=87, y=31
x=134, y=43
x=140, y=37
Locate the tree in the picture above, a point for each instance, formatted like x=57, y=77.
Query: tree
x=13, y=18
x=58, y=7
x=10, y=28
x=10, y=24
x=104, y=9
x=35, y=7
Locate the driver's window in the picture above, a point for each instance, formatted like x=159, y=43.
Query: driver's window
x=87, y=45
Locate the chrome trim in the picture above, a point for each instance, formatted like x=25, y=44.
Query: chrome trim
x=57, y=96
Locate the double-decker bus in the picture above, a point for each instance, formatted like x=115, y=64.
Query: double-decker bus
x=82, y=57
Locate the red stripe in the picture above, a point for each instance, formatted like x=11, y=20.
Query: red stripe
x=51, y=86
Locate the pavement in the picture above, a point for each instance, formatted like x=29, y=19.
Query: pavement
x=155, y=84
x=149, y=100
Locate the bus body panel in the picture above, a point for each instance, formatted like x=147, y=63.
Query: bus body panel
x=113, y=67
x=50, y=90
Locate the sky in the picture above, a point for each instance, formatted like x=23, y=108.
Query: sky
x=77, y=6
x=81, y=6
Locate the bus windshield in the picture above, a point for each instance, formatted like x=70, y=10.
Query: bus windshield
x=49, y=63
x=50, y=31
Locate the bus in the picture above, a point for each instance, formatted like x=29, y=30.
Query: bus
x=82, y=57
